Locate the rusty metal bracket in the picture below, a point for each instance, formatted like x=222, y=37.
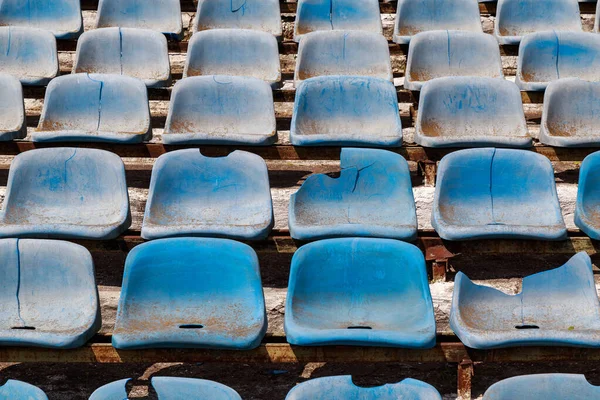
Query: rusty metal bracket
x=428, y=169
x=465, y=374
x=438, y=270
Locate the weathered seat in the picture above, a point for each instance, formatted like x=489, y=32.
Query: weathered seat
x=94, y=108
x=28, y=54
x=359, y=291
x=56, y=303
x=471, y=112
x=346, y=111
x=12, y=109
x=140, y=53
x=496, y=193
x=342, y=387
x=71, y=193
x=516, y=18
x=221, y=109
x=588, y=197
x=343, y=53
x=260, y=15
x=542, y=387
x=61, y=17
x=372, y=197
x=437, y=54
x=191, y=292
x=17, y=390
x=194, y=195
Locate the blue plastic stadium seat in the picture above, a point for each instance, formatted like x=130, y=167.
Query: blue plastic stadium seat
x=56, y=302
x=221, y=109
x=342, y=387
x=237, y=52
x=70, y=193
x=437, y=54
x=587, y=216
x=334, y=15
x=140, y=53
x=471, y=112
x=191, y=292
x=159, y=15
x=17, y=390
x=597, y=19
x=261, y=15
x=516, y=18
x=359, y=291
x=571, y=116
x=414, y=16
x=372, y=197
x=94, y=108
x=28, y=54
x=170, y=388
x=496, y=193
x=194, y=195
x=61, y=17
x=343, y=53
x=12, y=109
x=346, y=111
x=543, y=387
x=548, y=56
x=558, y=307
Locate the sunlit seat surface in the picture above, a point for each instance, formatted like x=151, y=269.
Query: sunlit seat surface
x=260, y=15
x=12, y=109
x=17, y=390
x=60, y=17
x=543, y=387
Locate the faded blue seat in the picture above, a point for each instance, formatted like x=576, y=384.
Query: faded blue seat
x=70, y=193
x=28, y=54
x=342, y=387
x=191, y=292
x=517, y=18
x=140, y=53
x=558, y=307
x=61, y=17
x=12, y=109
x=359, y=291
x=588, y=197
x=194, y=195
x=17, y=390
x=260, y=15
x=343, y=53
x=414, y=16
x=159, y=15
x=571, y=115
x=543, y=387
x=372, y=197
x=56, y=302
x=548, y=56
x=496, y=193
x=94, y=108
x=437, y=54
x=237, y=52
x=346, y=111
x=221, y=110
x=171, y=388
x=471, y=112
x=329, y=15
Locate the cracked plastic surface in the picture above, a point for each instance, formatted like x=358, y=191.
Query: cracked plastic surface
x=28, y=54
x=346, y=111
x=139, y=53
x=414, y=16
x=95, y=108
x=359, y=291
x=543, y=387
x=71, y=193
x=496, y=193
x=192, y=293
x=471, y=112
x=437, y=54
x=194, y=195
x=17, y=390
x=548, y=56
x=516, y=18
x=61, y=17
x=372, y=197
x=12, y=109
x=558, y=307
x=330, y=15
x=222, y=110
x=48, y=294
x=261, y=15
x=343, y=53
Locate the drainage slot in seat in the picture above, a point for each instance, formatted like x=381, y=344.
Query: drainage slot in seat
x=24, y=328
x=191, y=326
x=526, y=326
x=359, y=327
